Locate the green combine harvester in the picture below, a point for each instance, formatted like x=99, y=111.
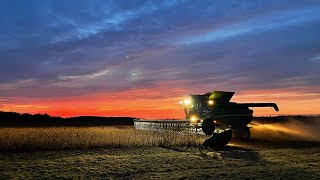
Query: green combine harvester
x=211, y=114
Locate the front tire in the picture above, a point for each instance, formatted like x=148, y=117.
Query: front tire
x=208, y=126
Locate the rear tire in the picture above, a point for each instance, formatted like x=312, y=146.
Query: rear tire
x=245, y=133
x=242, y=134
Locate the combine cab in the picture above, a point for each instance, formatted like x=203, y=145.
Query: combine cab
x=216, y=116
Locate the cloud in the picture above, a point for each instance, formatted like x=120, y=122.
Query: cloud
x=257, y=25
x=73, y=49
x=87, y=76
x=315, y=58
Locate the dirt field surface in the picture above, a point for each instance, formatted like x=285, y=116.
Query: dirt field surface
x=257, y=159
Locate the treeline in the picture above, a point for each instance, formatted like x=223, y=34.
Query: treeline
x=13, y=119
x=284, y=119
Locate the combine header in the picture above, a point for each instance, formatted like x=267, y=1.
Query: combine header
x=211, y=114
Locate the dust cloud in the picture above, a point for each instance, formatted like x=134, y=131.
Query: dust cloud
x=292, y=130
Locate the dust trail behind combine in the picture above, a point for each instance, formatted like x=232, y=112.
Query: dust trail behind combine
x=291, y=130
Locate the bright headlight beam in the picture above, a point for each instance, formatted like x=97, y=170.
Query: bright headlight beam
x=210, y=102
x=193, y=118
x=187, y=102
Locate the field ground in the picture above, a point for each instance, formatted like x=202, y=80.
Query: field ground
x=254, y=160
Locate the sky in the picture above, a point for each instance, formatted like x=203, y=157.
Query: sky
x=139, y=58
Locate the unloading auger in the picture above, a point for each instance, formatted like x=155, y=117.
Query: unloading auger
x=214, y=114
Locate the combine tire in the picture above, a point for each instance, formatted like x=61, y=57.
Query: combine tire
x=242, y=134
x=208, y=126
x=245, y=133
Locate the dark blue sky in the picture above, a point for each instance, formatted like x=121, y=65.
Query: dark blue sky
x=60, y=48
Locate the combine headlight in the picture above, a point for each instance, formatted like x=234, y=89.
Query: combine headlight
x=210, y=102
x=193, y=118
x=187, y=102
x=180, y=102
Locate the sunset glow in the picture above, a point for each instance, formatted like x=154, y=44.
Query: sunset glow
x=152, y=104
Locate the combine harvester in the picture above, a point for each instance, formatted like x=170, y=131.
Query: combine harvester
x=211, y=114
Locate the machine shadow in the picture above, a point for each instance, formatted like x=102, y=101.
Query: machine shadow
x=236, y=152
x=276, y=144
x=249, y=150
